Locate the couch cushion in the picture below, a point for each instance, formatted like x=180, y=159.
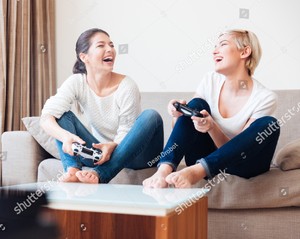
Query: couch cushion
x=32, y=125
x=275, y=188
x=288, y=157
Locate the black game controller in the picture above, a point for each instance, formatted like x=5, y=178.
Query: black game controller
x=90, y=153
x=186, y=111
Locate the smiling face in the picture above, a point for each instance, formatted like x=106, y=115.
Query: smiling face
x=227, y=56
x=101, y=53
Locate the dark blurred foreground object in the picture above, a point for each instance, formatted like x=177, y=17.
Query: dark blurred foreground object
x=22, y=216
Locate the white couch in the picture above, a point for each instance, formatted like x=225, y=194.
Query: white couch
x=266, y=206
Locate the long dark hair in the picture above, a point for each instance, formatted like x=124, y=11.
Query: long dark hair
x=82, y=46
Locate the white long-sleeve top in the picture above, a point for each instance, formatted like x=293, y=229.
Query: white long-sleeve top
x=110, y=118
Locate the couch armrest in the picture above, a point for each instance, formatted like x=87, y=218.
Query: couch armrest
x=22, y=157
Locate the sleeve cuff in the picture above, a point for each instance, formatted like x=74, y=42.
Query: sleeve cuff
x=172, y=165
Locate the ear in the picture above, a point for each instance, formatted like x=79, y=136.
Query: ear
x=246, y=52
x=83, y=57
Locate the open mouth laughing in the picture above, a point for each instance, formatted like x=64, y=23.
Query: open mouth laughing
x=108, y=59
x=218, y=59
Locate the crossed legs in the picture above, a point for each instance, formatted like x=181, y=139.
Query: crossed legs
x=246, y=155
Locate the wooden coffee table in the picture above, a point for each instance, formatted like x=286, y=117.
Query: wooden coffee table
x=126, y=211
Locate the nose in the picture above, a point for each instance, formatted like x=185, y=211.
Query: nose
x=109, y=48
x=216, y=50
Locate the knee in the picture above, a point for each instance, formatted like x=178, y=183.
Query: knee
x=150, y=116
x=65, y=117
x=269, y=123
x=199, y=104
x=67, y=114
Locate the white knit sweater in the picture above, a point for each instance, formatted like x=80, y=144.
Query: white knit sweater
x=110, y=118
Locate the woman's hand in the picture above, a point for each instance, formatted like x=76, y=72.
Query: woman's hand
x=67, y=143
x=172, y=110
x=204, y=124
x=107, y=149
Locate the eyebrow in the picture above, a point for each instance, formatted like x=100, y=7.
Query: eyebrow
x=223, y=41
x=103, y=42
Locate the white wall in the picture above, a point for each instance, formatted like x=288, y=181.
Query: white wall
x=170, y=41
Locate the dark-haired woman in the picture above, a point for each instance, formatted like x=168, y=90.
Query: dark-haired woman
x=111, y=106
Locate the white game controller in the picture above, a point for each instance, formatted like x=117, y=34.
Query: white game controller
x=90, y=153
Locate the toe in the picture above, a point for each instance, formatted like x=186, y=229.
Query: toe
x=87, y=177
x=171, y=178
x=178, y=180
x=67, y=177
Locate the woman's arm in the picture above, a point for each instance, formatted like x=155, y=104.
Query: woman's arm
x=207, y=124
x=51, y=127
x=218, y=135
x=56, y=106
x=173, y=112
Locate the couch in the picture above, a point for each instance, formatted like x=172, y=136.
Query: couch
x=265, y=206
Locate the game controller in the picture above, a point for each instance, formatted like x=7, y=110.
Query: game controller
x=90, y=153
x=186, y=111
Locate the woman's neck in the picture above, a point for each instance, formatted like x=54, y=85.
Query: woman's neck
x=102, y=84
x=103, y=79
x=239, y=83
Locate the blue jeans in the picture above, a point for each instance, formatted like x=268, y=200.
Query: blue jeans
x=141, y=145
x=246, y=155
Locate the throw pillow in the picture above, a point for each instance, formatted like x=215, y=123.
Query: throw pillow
x=32, y=125
x=288, y=157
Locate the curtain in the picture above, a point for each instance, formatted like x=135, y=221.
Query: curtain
x=27, y=64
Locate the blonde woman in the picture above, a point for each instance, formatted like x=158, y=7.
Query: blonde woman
x=236, y=134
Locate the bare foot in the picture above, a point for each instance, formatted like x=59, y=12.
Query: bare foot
x=157, y=180
x=69, y=176
x=186, y=177
x=88, y=176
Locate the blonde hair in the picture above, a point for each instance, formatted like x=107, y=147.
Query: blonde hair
x=243, y=39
